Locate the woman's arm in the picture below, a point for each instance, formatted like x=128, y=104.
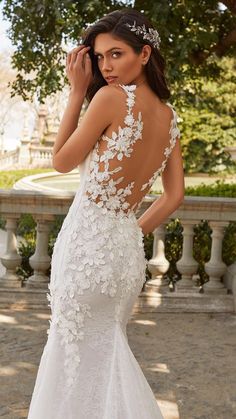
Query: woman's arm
x=69, y=121
x=96, y=119
x=79, y=74
x=173, y=195
x=74, y=142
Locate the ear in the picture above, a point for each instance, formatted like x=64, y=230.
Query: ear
x=145, y=54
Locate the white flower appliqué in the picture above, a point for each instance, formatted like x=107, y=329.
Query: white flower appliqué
x=174, y=134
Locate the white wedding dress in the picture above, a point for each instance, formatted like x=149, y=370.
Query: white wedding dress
x=87, y=369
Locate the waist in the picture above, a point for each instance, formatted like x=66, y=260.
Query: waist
x=95, y=210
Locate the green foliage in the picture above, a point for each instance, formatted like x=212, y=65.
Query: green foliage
x=9, y=177
x=228, y=244
x=208, y=120
x=202, y=247
x=219, y=188
x=25, y=250
x=197, y=41
x=38, y=30
x=191, y=33
x=173, y=246
x=26, y=228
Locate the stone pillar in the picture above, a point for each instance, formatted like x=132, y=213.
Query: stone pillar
x=158, y=265
x=24, y=154
x=24, y=151
x=40, y=260
x=215, y=267
x=11, y=259
x=187, y=265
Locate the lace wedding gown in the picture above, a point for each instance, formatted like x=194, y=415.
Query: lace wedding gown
x=87, y=369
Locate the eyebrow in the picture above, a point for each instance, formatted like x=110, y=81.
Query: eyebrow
x=96, y=52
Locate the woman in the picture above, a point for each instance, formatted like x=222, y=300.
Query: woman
x=127, y=137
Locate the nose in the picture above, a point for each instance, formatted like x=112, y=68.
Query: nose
x=106, y=65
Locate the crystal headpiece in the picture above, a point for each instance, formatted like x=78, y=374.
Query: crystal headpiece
x=151, y=35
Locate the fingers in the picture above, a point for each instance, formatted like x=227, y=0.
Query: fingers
x=82, y=58
x=88, y=63
x=76, y=55
x=79, y=66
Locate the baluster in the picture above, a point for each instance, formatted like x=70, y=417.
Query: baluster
x=11, y=259
x=40, y=260
x=158, y=265
x=215, y=267
x=187, y=265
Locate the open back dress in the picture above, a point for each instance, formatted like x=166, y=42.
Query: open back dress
x=87, y=369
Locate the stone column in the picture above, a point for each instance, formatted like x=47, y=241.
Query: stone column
x=40, y=260
x=11, y=259
x=215, y=267
x=187, y=265
x=158, y=265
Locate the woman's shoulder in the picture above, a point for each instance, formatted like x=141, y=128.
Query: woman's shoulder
x=109, y=90
x=108, y=98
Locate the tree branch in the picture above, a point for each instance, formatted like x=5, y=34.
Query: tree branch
x=198, y=57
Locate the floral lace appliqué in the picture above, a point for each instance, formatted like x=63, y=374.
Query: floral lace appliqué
x=100, y=186
x=174, y=134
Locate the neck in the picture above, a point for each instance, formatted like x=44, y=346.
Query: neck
x=139, y=81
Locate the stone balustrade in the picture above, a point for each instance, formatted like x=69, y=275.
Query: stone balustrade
x=44, y=206
x=40, y=156
x=25, y=156
x=9, y=159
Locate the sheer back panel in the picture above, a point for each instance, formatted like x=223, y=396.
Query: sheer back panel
x=132, y=152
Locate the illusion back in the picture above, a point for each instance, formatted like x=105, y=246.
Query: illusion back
x=125, y=164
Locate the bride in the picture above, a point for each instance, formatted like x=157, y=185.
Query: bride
x=127, y=137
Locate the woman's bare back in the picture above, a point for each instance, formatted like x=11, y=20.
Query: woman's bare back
x=135, y=147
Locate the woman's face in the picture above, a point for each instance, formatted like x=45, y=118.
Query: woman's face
x=117, y=59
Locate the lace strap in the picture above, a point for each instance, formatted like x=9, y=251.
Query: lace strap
x=130, y=101
x=174, y=134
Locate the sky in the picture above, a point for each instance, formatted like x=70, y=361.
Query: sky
x=5, y=42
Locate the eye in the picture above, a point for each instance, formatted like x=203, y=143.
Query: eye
x=116, y=53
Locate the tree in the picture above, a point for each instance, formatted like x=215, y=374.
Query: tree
x=192, y=33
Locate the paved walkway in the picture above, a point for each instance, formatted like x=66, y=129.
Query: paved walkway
x=188, y=359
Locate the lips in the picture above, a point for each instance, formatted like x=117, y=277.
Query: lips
x=110, y=78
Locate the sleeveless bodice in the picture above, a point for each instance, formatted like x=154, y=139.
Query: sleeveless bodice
x=103, y=181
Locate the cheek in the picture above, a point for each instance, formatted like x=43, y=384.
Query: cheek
x=128, y=63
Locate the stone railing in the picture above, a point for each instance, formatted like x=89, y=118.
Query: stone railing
x=45, y=206
x=26, y=156
x=40, y=156
x=9, y=159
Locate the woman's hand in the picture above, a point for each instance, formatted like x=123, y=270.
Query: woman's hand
x=79, y=69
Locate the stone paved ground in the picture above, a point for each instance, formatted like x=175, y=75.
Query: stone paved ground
x=188, y=359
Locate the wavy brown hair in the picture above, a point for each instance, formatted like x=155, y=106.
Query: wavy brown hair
x=115, y=23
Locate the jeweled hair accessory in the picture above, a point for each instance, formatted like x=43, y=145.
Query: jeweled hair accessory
x=151, y=35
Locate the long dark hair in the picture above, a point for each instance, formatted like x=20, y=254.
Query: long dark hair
x=114, y=23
